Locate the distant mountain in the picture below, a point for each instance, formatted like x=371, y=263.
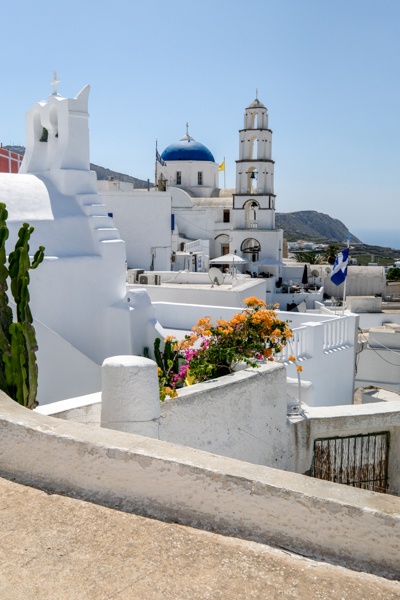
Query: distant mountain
x=307, y=225
x=312, y=226
x=102, y=172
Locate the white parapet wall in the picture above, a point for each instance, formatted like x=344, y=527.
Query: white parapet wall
x=174, y=483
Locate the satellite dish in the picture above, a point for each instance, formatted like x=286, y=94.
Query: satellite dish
x=215, y=275
x=315, y=273
x=328, y=270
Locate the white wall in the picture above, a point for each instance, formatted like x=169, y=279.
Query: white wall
x=199, y=489
x=144, y=223
x=189, y=175
x=226, y=415
x=205, y=295
x=360, y=281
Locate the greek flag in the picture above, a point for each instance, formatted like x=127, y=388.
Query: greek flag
x=339, y=270
x=160, y=160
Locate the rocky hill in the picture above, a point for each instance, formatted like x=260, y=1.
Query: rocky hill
x=102, y=172
x=313, y=226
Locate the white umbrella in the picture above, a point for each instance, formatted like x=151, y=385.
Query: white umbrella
x=229, y=259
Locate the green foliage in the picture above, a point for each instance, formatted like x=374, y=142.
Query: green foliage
x=393, y=274
x=168, y=366
x=312, y=258
x=18, y=345
x=330, y=253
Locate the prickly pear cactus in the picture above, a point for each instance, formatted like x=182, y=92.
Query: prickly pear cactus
x=6, y=315
x=18, y=345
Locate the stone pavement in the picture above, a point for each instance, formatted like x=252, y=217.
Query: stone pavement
x=59, y=548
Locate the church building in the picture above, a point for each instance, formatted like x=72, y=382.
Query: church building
x=240, y=221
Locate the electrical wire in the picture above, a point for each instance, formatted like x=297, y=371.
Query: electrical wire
x=377, y=353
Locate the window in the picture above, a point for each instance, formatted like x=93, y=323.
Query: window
x=178, y=177
x=227, y=216
x=199, y=178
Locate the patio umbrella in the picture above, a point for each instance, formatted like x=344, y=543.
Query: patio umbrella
x=229, y=259
x=304, y=279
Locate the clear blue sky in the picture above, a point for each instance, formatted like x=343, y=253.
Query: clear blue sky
x=328, y=72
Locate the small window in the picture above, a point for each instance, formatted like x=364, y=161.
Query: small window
x=178, y=177
x=227, y=216
x=199, y=178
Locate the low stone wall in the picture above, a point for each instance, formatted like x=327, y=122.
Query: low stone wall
x=169, y=482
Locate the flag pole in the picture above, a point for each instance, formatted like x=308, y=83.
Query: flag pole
x=345, y=281
x=224, y=174
x=155, y=169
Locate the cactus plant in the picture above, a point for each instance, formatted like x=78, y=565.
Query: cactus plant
x=18, y=345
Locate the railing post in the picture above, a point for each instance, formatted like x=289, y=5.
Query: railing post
x=130, y=395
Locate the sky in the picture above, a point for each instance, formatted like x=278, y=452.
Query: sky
x=328, y=72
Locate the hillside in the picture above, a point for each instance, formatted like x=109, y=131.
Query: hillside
x=102, y=172
x=313, y=226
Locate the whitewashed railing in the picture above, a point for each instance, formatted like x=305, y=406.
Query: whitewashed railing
x=296, y=345
x=335, y=334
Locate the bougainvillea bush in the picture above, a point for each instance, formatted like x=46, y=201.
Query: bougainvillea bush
x=213, y=350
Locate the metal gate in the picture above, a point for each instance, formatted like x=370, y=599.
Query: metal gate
x=360, y=461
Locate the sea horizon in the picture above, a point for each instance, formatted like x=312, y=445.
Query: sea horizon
x=389, y=238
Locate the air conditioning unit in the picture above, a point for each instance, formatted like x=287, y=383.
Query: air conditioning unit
x=131, y=277
x=138, y=272
x=149, y=279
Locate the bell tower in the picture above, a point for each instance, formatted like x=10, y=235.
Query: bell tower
x=255, y=170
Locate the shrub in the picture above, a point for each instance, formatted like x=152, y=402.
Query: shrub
x=253, y=335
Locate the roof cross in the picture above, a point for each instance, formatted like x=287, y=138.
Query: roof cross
x=55, y=83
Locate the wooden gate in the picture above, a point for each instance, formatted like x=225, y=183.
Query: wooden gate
x=360, y=461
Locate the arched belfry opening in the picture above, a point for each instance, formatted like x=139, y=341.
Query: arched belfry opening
x=251, y=248
x=251, y=212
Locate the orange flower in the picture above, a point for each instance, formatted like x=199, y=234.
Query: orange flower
x=292, y=358
x=299, y=368
x=204, y=321
x=239, y=318
x=170, y=392
x=222, y=322
x=253, y=301
x=267, y=352
x=170, y=338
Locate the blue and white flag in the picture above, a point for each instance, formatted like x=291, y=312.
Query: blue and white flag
x=339, y=270
x=160, y=160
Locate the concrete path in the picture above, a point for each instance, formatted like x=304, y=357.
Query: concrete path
x=58, y=548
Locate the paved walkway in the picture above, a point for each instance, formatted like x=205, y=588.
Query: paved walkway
x=53, y=547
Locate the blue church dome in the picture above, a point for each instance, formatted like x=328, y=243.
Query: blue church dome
x=187, y=149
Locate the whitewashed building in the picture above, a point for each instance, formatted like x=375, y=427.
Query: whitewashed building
x=81, y=308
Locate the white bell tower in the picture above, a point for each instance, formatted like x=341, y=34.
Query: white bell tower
x=255, y=170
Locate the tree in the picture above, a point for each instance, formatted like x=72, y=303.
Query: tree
x=18, y=345
x=330, y=253
x=393, y=274
x=312, y=258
